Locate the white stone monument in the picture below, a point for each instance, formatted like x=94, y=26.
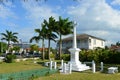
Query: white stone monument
x=76, y=64
x=70, y=68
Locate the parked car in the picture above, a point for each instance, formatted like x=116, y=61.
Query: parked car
x=3, y=55
x=18, y=55
x=37, y=55
x=2, y=58
x=28, y=55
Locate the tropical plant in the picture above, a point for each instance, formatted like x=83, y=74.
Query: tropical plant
x=118, y=43
x=36, y=38
x=3, y=47
x=9, y=36
x=34, y=47
x=65, y=57
x=10, y=58
x=15, y=48
x=63, y=27
x=41, y=35
x=50, y=35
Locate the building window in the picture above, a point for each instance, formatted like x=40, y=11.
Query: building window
x=78, y=41
x=94, y=42
x=90, y=42
x=101, y=43
x=85, y=41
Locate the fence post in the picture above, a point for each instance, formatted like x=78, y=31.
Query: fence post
x=51, y=65
x=64, y=68
x=61, y=63
x=93, y=66
x=55, y=65
x=70, y=68
x=101, y=66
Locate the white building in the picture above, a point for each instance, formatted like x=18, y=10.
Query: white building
x=22, y=45
x=84, y=41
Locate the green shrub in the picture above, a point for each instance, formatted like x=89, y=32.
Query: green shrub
x=65, y=57
x=10, y=58
x=52, y=56
x=100, y=55
x=10, y=78
x=47, y=74
x=114, y=57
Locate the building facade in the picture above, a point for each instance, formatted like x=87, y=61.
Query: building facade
x=84, y=41
x=22, y=45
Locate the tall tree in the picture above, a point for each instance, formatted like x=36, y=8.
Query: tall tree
x=118, y=43
x=9, y=36
x=34, y=47
x=64, y=27
x=3, y=47
x=41, y=35
x=50, y=35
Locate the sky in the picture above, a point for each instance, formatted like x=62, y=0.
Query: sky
x=99, y=18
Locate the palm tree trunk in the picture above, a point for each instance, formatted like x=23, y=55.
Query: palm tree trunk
x=60, y=47
x=49, y=49
x=43, y=52
x=8, y=47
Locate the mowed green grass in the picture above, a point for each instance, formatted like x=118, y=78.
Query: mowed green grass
x=19, y=66
x=82, y=76
x=85, y=75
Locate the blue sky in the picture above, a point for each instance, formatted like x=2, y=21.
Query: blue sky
x=100, y=18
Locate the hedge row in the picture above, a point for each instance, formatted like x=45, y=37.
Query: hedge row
x=98, y=55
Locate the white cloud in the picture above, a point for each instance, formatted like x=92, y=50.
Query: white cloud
x=97, y=18
x=6, y=11
x=26, y=33
x=115, y=2
x=37, y=12
x=8, y=4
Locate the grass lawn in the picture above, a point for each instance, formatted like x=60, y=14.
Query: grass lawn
x=85, y=75
x=19, y=66
x=82, y=76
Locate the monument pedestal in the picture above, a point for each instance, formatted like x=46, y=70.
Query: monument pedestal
x=76, y=64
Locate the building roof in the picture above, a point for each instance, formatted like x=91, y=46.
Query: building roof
x=115, y=47
x=40, y=49
x=81, y=36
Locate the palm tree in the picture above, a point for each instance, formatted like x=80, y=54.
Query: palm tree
x=36, y=38
x=50, y=35
x=9, y=36
x=64, y=27
x=41, y=35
